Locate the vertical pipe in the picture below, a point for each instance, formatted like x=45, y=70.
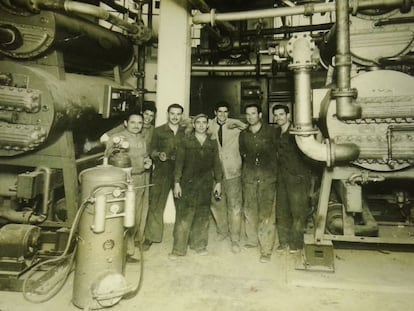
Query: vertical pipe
x=346, y=109
x=140, y=65
x=141, y=74
x=303, y=99
x=342, y=44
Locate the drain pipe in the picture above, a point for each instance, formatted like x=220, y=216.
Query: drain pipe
x=346, y=108
x=300, y=48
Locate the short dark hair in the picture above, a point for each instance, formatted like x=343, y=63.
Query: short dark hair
x=278, y=106
x=175, y=106
x=134, y=113
x=255, y=105
x=149, y=105
x=220, y=104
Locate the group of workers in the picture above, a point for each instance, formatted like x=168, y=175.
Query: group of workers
x=237, y=171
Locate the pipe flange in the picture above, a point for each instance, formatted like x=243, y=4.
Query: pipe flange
x=212, y=17
x=309, y=9
x=297, y=130
x=309, y=66
x=348, y=92
x=342, y=60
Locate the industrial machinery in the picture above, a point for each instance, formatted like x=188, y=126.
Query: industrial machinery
x=347, y=67
x=52, y=87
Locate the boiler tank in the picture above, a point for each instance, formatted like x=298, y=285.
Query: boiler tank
x=100, y=256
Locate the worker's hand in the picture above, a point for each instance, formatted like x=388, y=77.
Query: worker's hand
x=237, y=124
x=147, y=163
x=177, y=190
x=188, y=131
x=162, y=156
x=217, y=190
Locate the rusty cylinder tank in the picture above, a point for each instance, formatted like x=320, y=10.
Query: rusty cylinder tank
x=100, y=251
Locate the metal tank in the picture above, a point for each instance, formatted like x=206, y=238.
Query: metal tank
x=100, y=257
x=384, y=133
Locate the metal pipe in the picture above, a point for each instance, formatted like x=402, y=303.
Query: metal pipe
x=229, y=68
x=114, y=48
x=326, y=152
x=306, y=141
x=285, y=30
x=213, y=17
x=47, y=172
x=86, y=9
x=25, y=217
x=204, y=7
x=370, y=226
x=346, y=109
x=112, y=40
x=335, y=223
x=141, y=53
x=303, y=100
x=307, y=9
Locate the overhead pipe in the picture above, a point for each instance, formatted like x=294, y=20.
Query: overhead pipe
x=204, y=7
x=286, y=30
x=223, y=41
x=112, y=40
x=346, y=108
x=87, y=9
x=308, y=9
x=79, y=8
x=229, y=68
x=114, y=48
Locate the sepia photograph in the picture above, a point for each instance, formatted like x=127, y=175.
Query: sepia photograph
x=174, y=155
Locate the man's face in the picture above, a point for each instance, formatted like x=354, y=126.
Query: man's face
x=201, y=125
x=222, y=114
x=134, y=124
x=148, y=116
x=253, y=116
x=280, y=116
x=174, y=116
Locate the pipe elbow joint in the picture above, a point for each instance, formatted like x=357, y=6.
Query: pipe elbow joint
x=344, y=152
x=326, y=152
x=346, y=107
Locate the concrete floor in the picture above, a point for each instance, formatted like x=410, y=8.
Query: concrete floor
x=363, y=280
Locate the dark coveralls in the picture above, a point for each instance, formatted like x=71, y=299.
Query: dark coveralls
x=195, y=168
x=163, y=140
x=259, y=171
x=292, y=195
